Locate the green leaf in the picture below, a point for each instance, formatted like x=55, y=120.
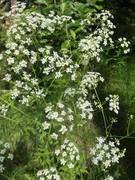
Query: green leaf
x=65, y=45
x=42, y=2
x=73, y=34
x=63, y=6
x=99, y=7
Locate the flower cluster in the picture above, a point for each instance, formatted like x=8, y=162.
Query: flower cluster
x=68, y=154
x=39, y=21
x=3, y=109
x=92, y=46
x=85, y=107
x=29, y=63
x=106, y=153
x=113, y=103
x=59, y=121
x=5, y=155
x=124, y=43
x=16, y=9
x=48, y=174
x=70, y=92
x=91, y=80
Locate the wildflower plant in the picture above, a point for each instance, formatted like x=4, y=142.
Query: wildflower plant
x=49, y=64
x=28, y=61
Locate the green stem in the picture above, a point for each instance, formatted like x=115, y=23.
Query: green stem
x=14, y=107
x=7, y=118
x=102, y=111
x=54, y=1
x=128, y=126
x=124, y=137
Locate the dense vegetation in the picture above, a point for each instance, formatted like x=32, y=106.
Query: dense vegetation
x=67, y=91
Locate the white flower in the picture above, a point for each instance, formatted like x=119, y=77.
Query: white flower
x=91, y=46
x=10, y=156
x=113, y=103
x=2, y=158
x=48, y=109
x=48, y=174
x=41, y=178
x=60, y=119
x=56, y=177
x=5, y=155
x=63, y=162
x=10, y=61
x=106, y=153
x=68, y=154
x=63, y=129
x=64, y=154
x=60, y=105
x=69, y=92
x=109, y=178
x=2, y=168
x=71, y=166
x=91, y=80
x=17, y=36
x=24, y=100
x=58, y=75
x=100, y=140
x=3, y=109
x=86, y=108
x=16, y=52
x=7, y=145
x=7, y=77
x=45, y=125
x=8, y=52
x=95, y=161
x=124, y=44
x=1, y=56
x=57, y=152
x=54, y=136
x=107, y=163
x=15, y=93
x=3, y=151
